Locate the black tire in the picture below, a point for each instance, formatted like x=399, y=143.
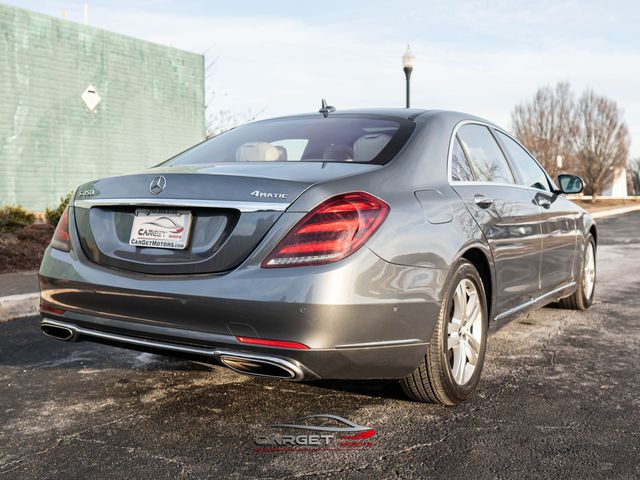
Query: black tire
x=579, y=300
x=433, y=380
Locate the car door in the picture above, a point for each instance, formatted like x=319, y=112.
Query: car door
x=507, y=213
x=558, y=215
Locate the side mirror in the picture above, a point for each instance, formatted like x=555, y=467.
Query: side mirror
x=570, y=183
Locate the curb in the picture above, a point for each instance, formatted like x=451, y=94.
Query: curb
x=615, y=211
x=18, y=306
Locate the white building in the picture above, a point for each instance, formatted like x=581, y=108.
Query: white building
x=616, y=184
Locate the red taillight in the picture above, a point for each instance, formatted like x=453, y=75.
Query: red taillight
x=60, y=239
x=333, y=230
x=272, y=343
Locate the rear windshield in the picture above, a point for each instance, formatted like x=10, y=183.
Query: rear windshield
x=336, y=138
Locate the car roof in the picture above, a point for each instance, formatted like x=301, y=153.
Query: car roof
x=400, y=113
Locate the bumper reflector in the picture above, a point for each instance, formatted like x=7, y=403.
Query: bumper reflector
x=49, y=309
x=271, y=343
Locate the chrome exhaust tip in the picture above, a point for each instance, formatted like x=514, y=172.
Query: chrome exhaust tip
x=59, y=332
x=247, y=363
x=260, y=367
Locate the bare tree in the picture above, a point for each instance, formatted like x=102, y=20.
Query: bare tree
x=546, y=124
x=601, y=142
x=634, y=172
x=219, y=120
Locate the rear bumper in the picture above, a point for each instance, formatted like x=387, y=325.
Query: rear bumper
x=361, y=317
x=294, y=365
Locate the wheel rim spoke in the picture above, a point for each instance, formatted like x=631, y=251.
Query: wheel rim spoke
x=589, y=272
x=473, y=310
x=459, y=362
x=460, y=303
x=468, y=372
x=453, y=327
x=473, y=350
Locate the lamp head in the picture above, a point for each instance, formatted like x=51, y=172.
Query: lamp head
x=408, y=58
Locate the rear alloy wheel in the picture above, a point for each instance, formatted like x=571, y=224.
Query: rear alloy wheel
x=451, y=369
x=582, y=298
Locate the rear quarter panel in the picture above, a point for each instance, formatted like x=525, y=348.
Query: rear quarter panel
x=428, y=224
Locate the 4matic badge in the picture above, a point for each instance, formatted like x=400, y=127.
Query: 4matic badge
x=259, y=194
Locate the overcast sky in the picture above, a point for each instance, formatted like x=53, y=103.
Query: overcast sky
x=280, y=57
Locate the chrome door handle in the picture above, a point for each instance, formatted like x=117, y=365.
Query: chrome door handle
x=544, y=202
x=482, y=201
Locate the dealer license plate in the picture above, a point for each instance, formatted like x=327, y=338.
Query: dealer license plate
x=160, y=228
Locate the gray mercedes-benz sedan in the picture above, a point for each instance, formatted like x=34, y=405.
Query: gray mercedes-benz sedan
x=362, y=244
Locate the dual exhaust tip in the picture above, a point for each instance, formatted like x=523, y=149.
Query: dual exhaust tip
x=257, y=367
x=58, y=332
x=247, y=364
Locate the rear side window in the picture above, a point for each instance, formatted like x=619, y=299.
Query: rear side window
x=337, y=138
x=460, y=169
x=531, y=173
x=486, y=159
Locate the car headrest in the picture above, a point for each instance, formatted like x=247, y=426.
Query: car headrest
x=283, y=153
x=367, y=147
x=343, y=153
x=258, y=152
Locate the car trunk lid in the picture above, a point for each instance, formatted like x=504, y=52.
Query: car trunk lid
x=231, y=207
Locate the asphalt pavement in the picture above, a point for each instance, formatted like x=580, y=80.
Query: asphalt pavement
x=18, y=283
x=559, y=398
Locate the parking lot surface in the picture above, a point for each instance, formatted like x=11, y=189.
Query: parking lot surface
x=559, y=398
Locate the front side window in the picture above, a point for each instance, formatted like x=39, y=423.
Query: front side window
x=337, y=138
x=530, y=172
x=487, y=161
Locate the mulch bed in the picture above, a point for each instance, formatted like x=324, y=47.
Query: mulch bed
x=23, y=249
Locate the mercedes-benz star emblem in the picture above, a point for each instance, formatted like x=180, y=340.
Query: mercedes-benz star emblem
x=157, y=185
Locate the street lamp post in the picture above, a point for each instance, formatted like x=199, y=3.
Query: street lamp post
x=407, y=66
